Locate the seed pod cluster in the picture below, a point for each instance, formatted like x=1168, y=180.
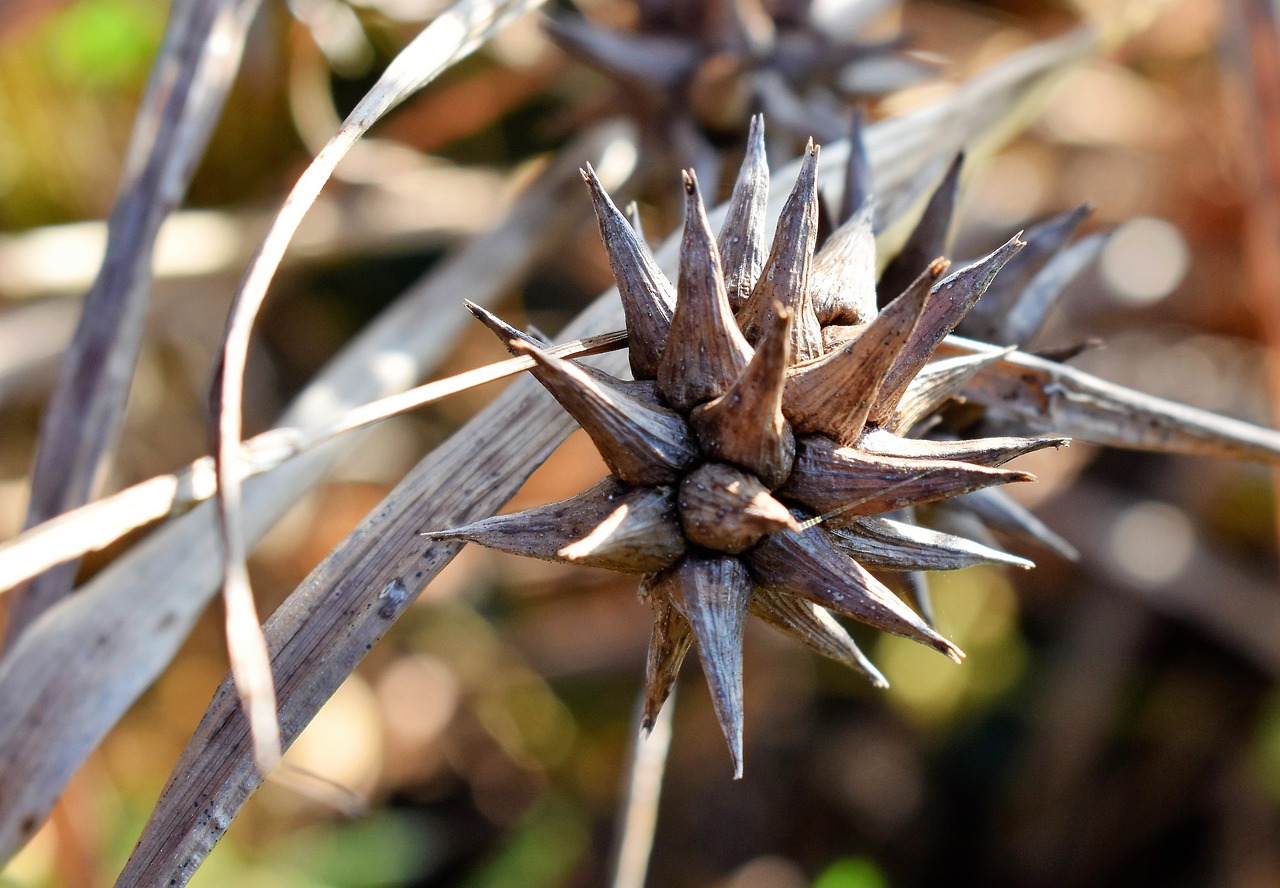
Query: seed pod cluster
x=758, y=441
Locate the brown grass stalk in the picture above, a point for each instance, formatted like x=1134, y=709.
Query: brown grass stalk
x=189, y=84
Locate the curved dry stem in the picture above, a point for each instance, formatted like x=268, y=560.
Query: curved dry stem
x=452, y=36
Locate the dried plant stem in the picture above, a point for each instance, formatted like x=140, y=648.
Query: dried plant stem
x=190, y=81
x=638, y=814
x=103, y=521
x=1046, y=395
x=452, y=36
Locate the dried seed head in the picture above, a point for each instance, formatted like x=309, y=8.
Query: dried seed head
x=726, y=510
x=720, y=461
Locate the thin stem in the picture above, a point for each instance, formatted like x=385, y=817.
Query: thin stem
x=638, y=812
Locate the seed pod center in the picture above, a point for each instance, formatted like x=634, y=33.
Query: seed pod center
x=728, y=510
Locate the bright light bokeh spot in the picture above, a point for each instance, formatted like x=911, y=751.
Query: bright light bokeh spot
x=1152, y=543
x=1145, y=261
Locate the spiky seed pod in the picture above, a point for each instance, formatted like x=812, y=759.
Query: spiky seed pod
x=725, y=509
x=745, y=425
x=833, y=394
x=648, y=298
x=613, y=526
x=705, y=351
x=785, y=278
x=741, y=240
x=742, y=477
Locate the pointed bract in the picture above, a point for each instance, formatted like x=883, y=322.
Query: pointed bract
x=848, y=483
x=857, y=173
x=713, y=594
x=612, y=526
x=668, y=643
x=741, y=240
x=648, y=298
x=814, y=627
x=745, y=425
x=785, y=278
x=834, y=394
x=842, y=282
x=1044, y=290
x=933, y=386
x=895, y=545
x=930, y=236
x=1001, y=511
x=989, y=452
x=644, y=390
x=640, y=442
x=1044, y=242
x=705, y=351
x=809, y=565
x=949, y=301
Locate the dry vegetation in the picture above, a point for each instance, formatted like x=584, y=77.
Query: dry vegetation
x=469, y=717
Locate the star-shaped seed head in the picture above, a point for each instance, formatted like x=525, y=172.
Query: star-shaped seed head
x=758, y=442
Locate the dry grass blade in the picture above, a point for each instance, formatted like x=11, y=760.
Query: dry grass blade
x=189, y=83
x=81, y=666
x=318, y=636
x=1049, y=396
x=452, y=36
x=103, y=521
x=638, y=813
